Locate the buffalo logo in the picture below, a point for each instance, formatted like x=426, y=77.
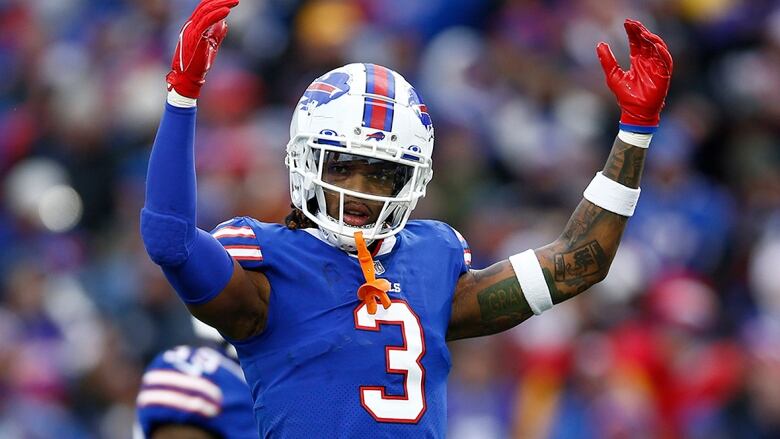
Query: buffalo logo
x=420, y=108
x=325, y=89
x=376, y=136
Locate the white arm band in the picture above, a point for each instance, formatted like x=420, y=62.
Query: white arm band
x=180, y=101
x=532, y=283
x=639, y=140
x=611, y=195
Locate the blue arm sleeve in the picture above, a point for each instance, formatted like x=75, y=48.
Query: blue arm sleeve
x=195, y=263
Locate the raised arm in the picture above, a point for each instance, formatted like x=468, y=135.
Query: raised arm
x=215, y=288
x=508, y=292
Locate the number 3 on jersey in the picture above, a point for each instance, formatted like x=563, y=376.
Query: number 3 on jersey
x=406, y=360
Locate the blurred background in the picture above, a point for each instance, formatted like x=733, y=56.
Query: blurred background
x=681, y=341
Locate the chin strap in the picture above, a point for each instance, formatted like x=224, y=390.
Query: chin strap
x=374, y=290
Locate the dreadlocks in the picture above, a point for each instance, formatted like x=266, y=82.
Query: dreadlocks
x=297, y=220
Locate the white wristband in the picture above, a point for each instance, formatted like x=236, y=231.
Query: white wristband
x=611, y=195
x=532, y=283
x=636, y=139
x=180, y=101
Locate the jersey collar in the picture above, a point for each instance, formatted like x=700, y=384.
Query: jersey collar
x=385, y=247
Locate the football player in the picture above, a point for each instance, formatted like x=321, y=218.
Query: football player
x=195, y=392
x=341, y=316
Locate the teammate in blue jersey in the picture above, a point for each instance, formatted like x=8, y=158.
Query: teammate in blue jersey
x=341, y=316
x=195, y=392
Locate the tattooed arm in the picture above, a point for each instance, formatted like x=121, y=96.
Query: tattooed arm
x=490, y=300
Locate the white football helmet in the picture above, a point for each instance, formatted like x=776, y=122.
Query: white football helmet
x=367, y=117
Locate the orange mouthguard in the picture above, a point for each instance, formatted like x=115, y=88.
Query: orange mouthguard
x=374, y=290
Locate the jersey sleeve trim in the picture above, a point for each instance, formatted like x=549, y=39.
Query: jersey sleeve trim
x=183, y=382
x=245, y=252
x=234, y=232
x=179, y=401
x=240, y=241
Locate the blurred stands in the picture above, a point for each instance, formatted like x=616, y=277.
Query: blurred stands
x=681, y=340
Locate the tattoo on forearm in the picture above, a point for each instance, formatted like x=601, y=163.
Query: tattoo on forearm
x=502, y=302
x=488, y=301
x=591, y=237
x=581, y=223
x=580, y=262
x=614, y=166
x=625, y=164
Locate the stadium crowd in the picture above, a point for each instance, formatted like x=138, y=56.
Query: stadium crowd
x=681, y=340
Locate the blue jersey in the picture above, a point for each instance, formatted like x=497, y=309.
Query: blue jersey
x=323, y=366
x=197, y=386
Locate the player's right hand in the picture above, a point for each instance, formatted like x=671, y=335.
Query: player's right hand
x=199, y=42
x=642, y=89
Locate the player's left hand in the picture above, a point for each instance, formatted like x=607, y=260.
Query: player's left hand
x=642, y=89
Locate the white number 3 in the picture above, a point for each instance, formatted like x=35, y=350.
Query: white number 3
x=409, y=407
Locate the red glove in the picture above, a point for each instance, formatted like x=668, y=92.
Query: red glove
x=642, y=89
x=199, y=41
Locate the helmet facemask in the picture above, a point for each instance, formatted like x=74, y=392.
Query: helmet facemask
x=389, y=182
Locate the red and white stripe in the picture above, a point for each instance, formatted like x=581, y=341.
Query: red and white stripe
x=466, y=249
x=177, y=400
x=172, y=378
x=234, y=232
x=245, y=252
